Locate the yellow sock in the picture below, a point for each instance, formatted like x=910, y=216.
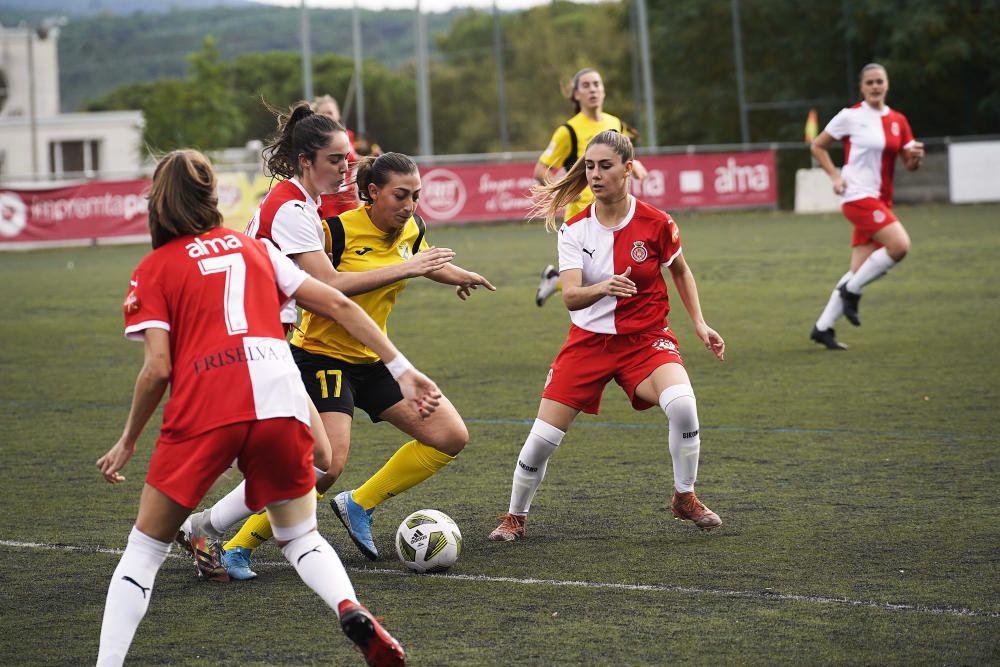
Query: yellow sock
x=411, y=464
x=254, y=532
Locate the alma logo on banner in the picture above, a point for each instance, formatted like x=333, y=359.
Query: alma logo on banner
x=442, y=194
x=734, y=177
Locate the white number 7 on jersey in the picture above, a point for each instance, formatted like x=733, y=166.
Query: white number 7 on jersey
x=236, y=277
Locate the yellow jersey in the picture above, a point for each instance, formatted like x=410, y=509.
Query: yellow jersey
x=567, y=145
x=354, y=243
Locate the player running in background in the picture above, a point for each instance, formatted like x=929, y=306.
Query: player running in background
x=206, y=305
x=611, y=257
x=873, y=135
x=565, y=147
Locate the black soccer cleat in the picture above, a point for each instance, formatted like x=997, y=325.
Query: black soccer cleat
x=850, y=300
x=828, y=338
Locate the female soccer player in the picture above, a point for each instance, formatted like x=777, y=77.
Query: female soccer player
x=587, y=95
x=309, y=153
x=206, y=305
x=341, y=373
x=611, y=257
x=873, y=135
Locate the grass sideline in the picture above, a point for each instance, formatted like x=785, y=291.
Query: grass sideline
x=858, y=489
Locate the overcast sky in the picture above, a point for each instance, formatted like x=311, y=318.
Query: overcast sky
x=426, y=5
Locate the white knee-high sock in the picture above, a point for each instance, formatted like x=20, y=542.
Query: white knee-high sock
x=835, y=306
x=531, y=464
x=679, y=404
x=231, y=509
x=128, y=595
x=876, y=266
x=320, y=568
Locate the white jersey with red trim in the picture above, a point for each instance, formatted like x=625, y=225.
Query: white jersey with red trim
x=289, y=218
x=646, y=240
x=219, y=295
x=872, y=140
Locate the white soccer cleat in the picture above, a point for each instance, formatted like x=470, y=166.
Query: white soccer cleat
x=547, y=285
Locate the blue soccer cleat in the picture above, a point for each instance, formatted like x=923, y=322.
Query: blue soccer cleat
x=237, y=563
x=357, y=521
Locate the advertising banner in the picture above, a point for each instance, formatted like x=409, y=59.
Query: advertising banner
x=88, y=212
x=494, y=192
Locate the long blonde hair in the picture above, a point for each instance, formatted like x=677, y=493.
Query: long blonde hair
x=549, y=198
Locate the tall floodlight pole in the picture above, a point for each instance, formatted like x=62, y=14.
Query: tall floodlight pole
x=32, y=108
x=647, y=72
x=307, y=74
x=740, y=84
x=424, y=129
x=637, y=99
x=501, y=92
x=359, y=75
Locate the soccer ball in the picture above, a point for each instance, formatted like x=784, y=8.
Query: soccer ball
x=428, y=541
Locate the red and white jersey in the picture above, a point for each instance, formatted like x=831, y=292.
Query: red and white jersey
x=289, y=218
x=872, y=140
x=646, y=240
x=219, y=294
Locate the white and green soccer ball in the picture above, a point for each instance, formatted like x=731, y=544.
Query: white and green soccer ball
x=428, y=541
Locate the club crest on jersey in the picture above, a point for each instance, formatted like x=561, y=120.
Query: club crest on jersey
x=878, y=216
x=664, y=344
x=548, y=378
x=132, y=304
x=639, y=252
x=894, y=128
x=404, y=250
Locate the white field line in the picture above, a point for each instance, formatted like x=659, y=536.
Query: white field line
x=764, y=595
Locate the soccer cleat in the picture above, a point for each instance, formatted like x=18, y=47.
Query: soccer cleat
x=511, y=528
x=547, y=285
x=237, y=563
x=379, y=647
x=828, y=338
x=207, y=558
x=850, y=300
x=686, y=506
x=357, y=521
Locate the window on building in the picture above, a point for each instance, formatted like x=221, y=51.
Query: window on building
x=3, y=90
x=74, y=157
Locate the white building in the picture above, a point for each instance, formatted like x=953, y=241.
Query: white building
x=37, y=143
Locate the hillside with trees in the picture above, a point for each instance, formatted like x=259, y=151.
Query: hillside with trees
x=943, y=59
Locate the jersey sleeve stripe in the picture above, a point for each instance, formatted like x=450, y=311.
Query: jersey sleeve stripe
x=135, y=331
x=672, y=258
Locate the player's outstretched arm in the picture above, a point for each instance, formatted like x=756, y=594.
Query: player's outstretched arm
x=464, y=281
x=150, y=384
x=323, y=300
x=318, y=265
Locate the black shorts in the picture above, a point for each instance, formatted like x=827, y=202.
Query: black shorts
x=339, y=386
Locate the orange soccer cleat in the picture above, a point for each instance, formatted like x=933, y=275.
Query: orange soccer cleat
x=687, y=506
x=511, y=528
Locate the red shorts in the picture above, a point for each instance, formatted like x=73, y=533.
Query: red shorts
x=588, y=361
x=868, y=215
x=275, y=455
